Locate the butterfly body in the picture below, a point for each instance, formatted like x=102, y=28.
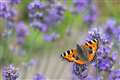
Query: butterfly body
x=82, y=54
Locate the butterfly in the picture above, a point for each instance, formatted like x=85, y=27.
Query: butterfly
x=82, y=54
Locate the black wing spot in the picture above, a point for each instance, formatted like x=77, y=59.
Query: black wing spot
x=72, y=50
x=94, y=58
x=73, y=55
x=68, y=52
x=94, y=40
x=64, y=54
x=90, y=47
x=90, y=51
x=89, y=42
x=61, y=55
x=86, y=44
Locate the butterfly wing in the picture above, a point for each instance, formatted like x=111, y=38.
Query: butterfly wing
x=88, y=52
x=69, y=55
x=82, y=54
x=90, y=48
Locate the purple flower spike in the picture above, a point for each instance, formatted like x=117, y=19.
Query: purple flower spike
x=21, y=29
x=94, y=33
x=114, y=75
x=105, y=63
x=117, y=35
x=110, y=27
x=80, y=4
x=92, y=77
x=92, y=15
x=111, y=22
x=114, y=55
x=79, y=71
x=39, y=77
x=34, y=5
x=15, y=1
x=10, y=73
x=51, y=37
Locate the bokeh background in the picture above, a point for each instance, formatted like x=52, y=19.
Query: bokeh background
x=34, y=33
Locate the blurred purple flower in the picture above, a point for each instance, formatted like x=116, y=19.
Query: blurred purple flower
x=15, y=1
x=7, y=11
x=34, y=6
x=9, y=15
x=114, y=55
x=21, y=29
x=36, y=15
x=110, y=23
x=105, y=63
x=91, y=16
x=41, y=26
x=32, y=62
x=117, y=35
x=39, y=77
x=20, y=40
x=92, y=77
x=80, y=4
x=3, y=9
x=10, y=73
x=55, y=14
x=110, y=28
x=50, y=37
x=114, y=75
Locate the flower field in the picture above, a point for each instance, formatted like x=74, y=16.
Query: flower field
x=38, y=38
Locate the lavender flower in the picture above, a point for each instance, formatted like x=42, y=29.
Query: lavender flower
x=79, y=71
x=43, y=16
x=10, y=73
x=51, y=37
x=55, y=14
x=80, y=4
x=34, y=6
x=3, y=9
x=94, y=33
x=91, y=16
x=112, y=31
x=105, y=64
x=21, y=31
x=41, y=26
x=114, y=75
x=8, y=14
x=7, y=10
x=92, y=77
x=39, y=77
x=105, y=56
x=117, y=34
x=15, y=2
x=36, y=14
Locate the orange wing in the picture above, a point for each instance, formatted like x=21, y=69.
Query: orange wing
x=69, y=55
x=90, y=49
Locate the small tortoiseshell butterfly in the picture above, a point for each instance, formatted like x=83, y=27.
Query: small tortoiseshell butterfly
x=82, y=54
